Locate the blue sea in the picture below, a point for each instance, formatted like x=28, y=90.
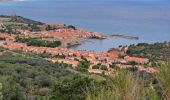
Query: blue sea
x=147, y=19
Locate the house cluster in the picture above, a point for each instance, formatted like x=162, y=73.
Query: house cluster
x=73, y=57
x=68, y=37
x=10, y=37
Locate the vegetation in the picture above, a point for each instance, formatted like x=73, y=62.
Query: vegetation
x=103, y=67
x=17, y=22
x=20, y=19
x=99, y=66
x=156, y=52
x=38, y=42
x=136, y=85
x=23, y=77
x=132, y=63
x=125, y=87
x=33, y=27
x=74, y=89
x=1, y=97
x=163, y=77
x=2, y=38
x=84, y=64
x=121, y=55
x=26, y=76
x=10, y=27
x=72, y=27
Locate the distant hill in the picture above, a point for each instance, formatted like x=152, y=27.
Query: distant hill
x=9, y=23
x=20, y=19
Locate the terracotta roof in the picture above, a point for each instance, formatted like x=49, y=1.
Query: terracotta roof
x=136, y=59
x=69, y=61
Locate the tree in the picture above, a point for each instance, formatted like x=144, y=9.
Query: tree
x=12, y=90
x=84, y=64
x=103, y=67
x=96, y=66
x=72, y=27
x=38, y=42
x=73, y=89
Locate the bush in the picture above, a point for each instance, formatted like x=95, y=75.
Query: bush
x=124, y=87
x=113, y=66
x=34, y=27
x=12, y=90
x=103, y=67
x=156, y=51
x=32, y=76
x=84, y=64
x=72, y=27
x=163, y=77
x=73, y=89
x=96, y=66
x=44, y=91
x=121, y=55
x=38, y=42
x=1, y=97
x=80, y=69
x=2, y=38
x=132, y=63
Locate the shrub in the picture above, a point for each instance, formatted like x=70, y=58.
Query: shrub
x=113, y=66
x=103, y=67
x=34, y=27
x=121, y=55
x=38, y=42
x=72, y=27
x=80, y=69
x=44, y=91
x=132, y=63
x=2, y=38
x=156, y=51
x=163, y=77
x=1, y=97
x=73, y=89
x=84, y=64
x=24, y=76
x=124, y=87
x=96, y=66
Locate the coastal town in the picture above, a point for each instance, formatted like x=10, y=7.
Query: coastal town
x=70, y=36
x=84, y=50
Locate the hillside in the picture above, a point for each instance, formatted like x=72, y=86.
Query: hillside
x=36, y=64
x=155, y=52
x=19, y=19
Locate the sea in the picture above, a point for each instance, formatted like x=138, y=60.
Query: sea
x=147, y=19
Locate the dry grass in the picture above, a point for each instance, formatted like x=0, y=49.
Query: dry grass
x=126, y=87
x=163, y=77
